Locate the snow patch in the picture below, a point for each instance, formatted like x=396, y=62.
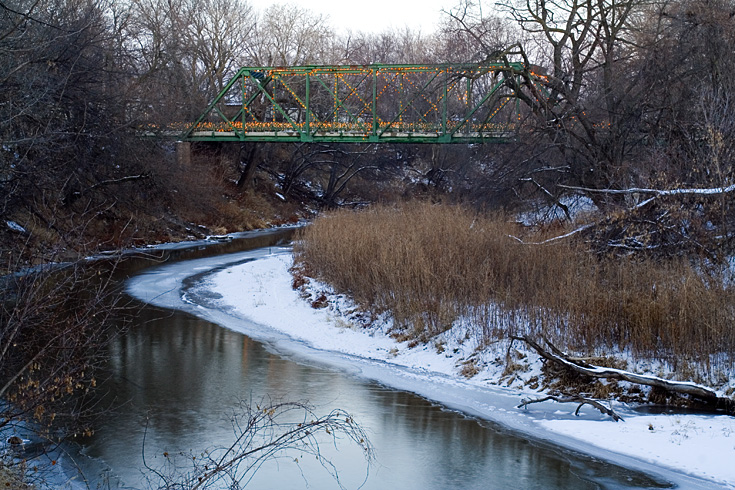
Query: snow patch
x=15, y=227
x=700, y=445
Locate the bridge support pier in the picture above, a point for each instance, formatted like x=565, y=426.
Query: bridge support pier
x=183, y=153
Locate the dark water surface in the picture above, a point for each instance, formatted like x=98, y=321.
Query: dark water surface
x=176, y=381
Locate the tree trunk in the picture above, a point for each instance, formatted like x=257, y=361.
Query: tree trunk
x=248, y=164
x=330, y=192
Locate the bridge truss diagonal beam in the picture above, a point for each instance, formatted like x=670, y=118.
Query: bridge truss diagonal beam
x=446, y=103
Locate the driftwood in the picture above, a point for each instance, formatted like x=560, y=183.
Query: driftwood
x=694, y=390
x=575, y=399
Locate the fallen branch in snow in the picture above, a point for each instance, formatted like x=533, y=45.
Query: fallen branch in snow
x=576, y=399
x=648, y=225
x=679, y=387
x=713, y=191
x=553, y=239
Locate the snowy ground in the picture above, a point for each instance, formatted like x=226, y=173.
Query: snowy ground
x=694, y=451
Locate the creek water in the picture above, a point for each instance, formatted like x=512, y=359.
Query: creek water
x=174, y=381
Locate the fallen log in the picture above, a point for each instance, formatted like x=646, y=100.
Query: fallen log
x=575, y=399
x=700, y=392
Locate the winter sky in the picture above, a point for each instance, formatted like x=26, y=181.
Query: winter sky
x=376, y=15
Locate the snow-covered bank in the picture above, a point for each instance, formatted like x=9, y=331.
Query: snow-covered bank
x=674, y=446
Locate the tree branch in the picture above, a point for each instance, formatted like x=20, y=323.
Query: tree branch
x=679, y=387
x=712, y=191
x=551, y=196
x=575, y=399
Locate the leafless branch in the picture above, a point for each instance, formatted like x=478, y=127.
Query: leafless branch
x=713, y=191
x=679, y=387
x=262, y=433
x=575, y=399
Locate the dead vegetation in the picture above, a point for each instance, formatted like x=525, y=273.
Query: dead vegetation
x=11, y=477
x=430, y=265
x=168, y=203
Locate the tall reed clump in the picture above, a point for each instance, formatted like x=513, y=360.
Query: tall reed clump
x=431, y=265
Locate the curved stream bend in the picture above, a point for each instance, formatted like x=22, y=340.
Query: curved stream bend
x=175, y=286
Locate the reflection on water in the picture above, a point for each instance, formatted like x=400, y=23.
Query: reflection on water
x=177, y=379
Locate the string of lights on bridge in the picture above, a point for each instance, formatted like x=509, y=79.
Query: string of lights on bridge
x=411, y=103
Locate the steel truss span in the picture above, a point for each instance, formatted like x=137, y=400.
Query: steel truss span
x=448, y=103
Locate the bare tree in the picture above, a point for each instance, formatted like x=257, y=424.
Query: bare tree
x=467, y=34
x=582, y=106
x=186, y=50
x=62, y=111
x=220, y=31
x=287, y=35
x=392, y=46
x=54, y=324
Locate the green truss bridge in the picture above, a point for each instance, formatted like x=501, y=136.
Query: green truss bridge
x=447, y=103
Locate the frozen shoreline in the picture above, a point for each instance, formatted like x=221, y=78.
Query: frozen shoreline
x=693, y=451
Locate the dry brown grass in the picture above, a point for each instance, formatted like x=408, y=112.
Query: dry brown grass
x=432, y=264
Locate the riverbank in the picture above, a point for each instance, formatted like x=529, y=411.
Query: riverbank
x=679, y=446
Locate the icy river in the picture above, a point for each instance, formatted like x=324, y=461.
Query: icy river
x=176, y=377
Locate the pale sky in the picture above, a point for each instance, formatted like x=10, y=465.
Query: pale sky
x=375, y=15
